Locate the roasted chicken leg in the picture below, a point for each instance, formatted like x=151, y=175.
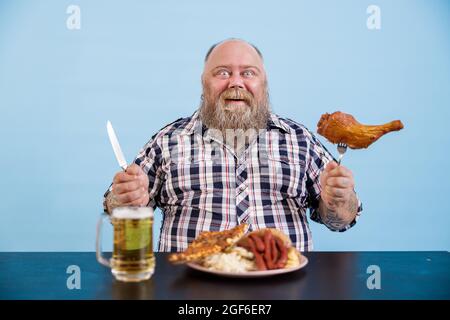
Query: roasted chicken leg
x=340, y=127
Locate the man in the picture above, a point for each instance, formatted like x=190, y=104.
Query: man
x=234, y=161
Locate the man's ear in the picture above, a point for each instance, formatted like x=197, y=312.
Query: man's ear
x=201, y=78
x=202, y=83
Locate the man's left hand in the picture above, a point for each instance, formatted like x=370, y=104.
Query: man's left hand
x=337, y=186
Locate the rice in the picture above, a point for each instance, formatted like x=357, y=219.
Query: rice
x=237, y=260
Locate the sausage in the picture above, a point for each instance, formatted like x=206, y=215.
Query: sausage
x=244, y=244
x=260, y=265
x=281, y=263
x=275, y=251
x=268, y=260
x=268, y=252
x=258, y=242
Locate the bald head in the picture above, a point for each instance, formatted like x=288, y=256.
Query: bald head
x=234, y=53
x=231, y=39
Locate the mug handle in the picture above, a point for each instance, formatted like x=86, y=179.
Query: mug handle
x=98, y=242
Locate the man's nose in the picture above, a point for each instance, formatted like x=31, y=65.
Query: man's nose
x=236, y=81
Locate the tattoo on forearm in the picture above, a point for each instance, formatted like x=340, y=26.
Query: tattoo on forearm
x=111, y=202
x=353, y=205
x=337, y=220
x=333, y=220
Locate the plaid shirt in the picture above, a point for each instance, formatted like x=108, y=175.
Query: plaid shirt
x=202, y=185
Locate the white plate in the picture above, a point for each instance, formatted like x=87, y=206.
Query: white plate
x=250, y=274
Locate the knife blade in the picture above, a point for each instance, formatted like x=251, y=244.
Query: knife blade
x=116, y=146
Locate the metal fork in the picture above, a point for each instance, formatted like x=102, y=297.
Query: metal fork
x=341, y=148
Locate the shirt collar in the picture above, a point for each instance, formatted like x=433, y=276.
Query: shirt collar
x=275, y=121
x=194, y=125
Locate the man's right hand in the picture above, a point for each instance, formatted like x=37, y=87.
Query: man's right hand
x=130, y=187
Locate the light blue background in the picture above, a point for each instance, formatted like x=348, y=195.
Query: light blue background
x=138, y=64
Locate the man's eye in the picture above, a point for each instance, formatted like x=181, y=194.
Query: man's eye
x=248, y=73
x=223, y=73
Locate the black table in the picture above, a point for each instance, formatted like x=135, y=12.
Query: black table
x=328, y=275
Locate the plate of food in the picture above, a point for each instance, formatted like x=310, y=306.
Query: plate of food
x=239, y=254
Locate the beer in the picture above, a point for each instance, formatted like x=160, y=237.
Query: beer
x=133, y=247
x=132, y=259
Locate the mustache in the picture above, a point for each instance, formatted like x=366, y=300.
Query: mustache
x=237, y=94
x=215, y=115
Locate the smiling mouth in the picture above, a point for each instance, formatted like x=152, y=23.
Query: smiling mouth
x=234, y=103
x=235, y=100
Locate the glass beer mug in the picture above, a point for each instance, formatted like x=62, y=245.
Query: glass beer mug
x=132, y=259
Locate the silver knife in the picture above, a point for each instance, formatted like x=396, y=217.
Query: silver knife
x=116, y=146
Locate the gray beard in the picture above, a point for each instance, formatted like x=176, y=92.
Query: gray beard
x=238, y=127
x=215, y=116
